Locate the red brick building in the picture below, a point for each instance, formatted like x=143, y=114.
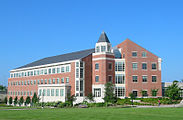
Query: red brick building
x=130, y=67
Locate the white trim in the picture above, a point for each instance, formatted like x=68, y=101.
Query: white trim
x=102, y=53
x=102, y=58
x=44, y=66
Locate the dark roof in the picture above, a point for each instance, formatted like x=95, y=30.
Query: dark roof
x=60, y=58
x=103, y=38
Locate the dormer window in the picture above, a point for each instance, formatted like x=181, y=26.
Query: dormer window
x=97, y=49
x=103, y=48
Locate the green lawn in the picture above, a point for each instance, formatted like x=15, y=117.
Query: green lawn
x=94, y=114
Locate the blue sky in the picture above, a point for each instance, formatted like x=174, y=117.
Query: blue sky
x=34, y=29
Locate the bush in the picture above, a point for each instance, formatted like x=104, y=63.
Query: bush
x=100, y=105
x=63, y=105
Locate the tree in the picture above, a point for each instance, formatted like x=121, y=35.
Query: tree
x=35, y=99
x=5, y=100
x=71, y=99
x=90, y=97
x=144, y=93
x=10, y=100
x=28, y=100
x=154, y=92
x=21, y=101
x=132, y=96
x=109, y=93
x=173, y=91
x=15, y=100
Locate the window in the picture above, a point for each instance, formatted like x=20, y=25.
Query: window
x=77, y=72
x=58, y=80
x=52, y=92
x=81, y=72
x=61, y=92
x=134, y=66
x=77, y=85
x=135, y=93
x=144, y=93
x=41, y=72
x=120, y=79
x=41, y=81
x=49, y=71
x=81, y=64
x=103, y=48
x=45, y=71
x=97, y=92
x=144, y=54
x=77, y=64
x=49, y=81
x=154, y=78
x=120, y=91
x=53, y=70
x=34, y=82
x=135, y=78
x=40, y=92
x=44, y=92
x=110, y=78
x=96, y=78
x=38, y=82
x=45, y=81
x=96, y=66
x=25, y=83
x=153, y=66
x=144, y=66
x=58, y=70
x=97, y=49
x=48, y=92
x=37, y=72
x=28, y=82
x=57, y=92
x=62, y=80
x=110, y=66
x=119, y=66
x=67, y=69
x=31, y=82
x=134, y=54
x=144, y=78
x=81, y=85
x=62, y=69
x=53, y=81
x=67, y=80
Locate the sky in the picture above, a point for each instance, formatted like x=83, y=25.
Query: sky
x=34, y=29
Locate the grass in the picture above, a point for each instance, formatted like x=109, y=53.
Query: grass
x=94, y=114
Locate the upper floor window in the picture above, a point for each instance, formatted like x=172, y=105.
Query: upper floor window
x=154, y=78
x=135, y=66
x=67, y=80
x=62, y=69
x=49, y=71
x=103, y=48
x=110, y=66
x=135, y=78
x=144, y=66
x=119, y=79
x=134, y=54
x=96, y=78
x=58, y=70
x=96, y=66
x=119, y=66
x=144, y=78
x=53, y=70
x=144, y=54
x=110, y=78
x=67, y=68
x=97, y=49
x=153, y=66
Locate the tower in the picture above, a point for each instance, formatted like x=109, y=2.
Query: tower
x=103, y=70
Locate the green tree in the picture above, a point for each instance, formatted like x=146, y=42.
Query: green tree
x=109, y=93
x=154, y=92
x=35, y=99
x=28, y=100
x=10, y=100
x=5, y=100
x=71, y=99
x=132, y=96
x=173, y=91
x=90, y=97
x=15, y=100
x=21, y=101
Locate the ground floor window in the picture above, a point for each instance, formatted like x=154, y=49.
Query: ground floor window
x=120, y=91
x=135, y=93
x=97, y=92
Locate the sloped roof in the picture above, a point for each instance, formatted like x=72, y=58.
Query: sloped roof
x=60, y=58
x=103, y=38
